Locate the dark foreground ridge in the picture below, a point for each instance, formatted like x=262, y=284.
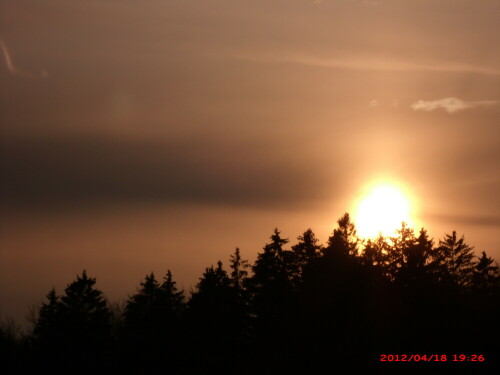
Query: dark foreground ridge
x=404, y=304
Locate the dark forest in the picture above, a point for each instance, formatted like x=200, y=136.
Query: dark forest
x=418, y=303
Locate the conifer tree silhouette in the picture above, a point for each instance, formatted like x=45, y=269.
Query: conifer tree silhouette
x=143, y=307
x=344, y=238
x=274, y=290
x=271, y=283
x=375, y=254
x=486, y=276
x=305, y=251
x=76, y=327
x=402, y=246
x=455, y=260
x=214, y=318
x=152, y=320
x=239, y=270
x=84, y=308
x=270, y=269
x=416, y=266
x=46, y=325
x=173, y=297
x=297, y=310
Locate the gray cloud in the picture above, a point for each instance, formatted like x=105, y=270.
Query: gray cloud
x=476, y=220
x=451, y=105
x=61, y=171
x=360, y=63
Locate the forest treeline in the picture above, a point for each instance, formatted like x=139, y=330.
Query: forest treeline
x=296, y=309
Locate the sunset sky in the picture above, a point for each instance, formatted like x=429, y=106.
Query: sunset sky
x=141, y=136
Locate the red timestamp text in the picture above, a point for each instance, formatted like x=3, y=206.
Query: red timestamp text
x=432, y=358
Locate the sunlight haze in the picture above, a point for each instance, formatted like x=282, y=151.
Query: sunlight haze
x=383, y=210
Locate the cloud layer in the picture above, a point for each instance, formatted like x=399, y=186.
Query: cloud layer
x=451, y=105
x=59, y=171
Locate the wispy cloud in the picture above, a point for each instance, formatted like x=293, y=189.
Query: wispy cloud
x=372, y=2
x=375, y=103
x=367, y=2
x=8, y=60
x=14, y=70
x=479, y=220
x=451, y=105
x=357, y=63
x=388, y=65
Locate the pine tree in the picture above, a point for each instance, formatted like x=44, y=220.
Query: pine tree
x=305, y=251
x=213, y=320
x=149, y=290
x=344, y=239
x=486, y=274
x=239, y=270
x=239, y=282
x=400, y=249
x=213, y=279
x=419, y=266
x=375, y=253
x=273, y=285
x=270, y=268
x=454, y=259
x=152, y=324
x=143, y=306
x=213, y=292
x=84, y=308
x=46, y=324
x=83, y=326
x=174, y=298
x=154, y=305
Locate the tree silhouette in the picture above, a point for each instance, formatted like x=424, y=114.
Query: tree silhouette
x=272, y=280
x=375, y=254
x=152, y=319
x=240, y=316
x=344, y=238
x=74, y=329
x=401, y=247
x=214, y=320
x=154, y=302
x=270, y=268
x=174, y=299
x=486, y=275
x=47, y=323
x=213, y=284
x=296, y=310
x=305, y=251
x=455, y=260
x=485, y=301
x=83, y=308
x=418, y=255
x=239, y=270
x=13, y=347
x=417, y=267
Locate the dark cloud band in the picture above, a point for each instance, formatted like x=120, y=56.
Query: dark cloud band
x=55, y=171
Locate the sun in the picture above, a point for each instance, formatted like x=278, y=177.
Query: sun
x=382, y=209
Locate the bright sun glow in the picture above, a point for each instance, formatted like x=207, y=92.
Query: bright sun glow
x=382, y=210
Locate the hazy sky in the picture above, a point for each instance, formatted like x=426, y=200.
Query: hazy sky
x=140, y=136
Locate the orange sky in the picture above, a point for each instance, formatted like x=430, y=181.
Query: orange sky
x=139, y=137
